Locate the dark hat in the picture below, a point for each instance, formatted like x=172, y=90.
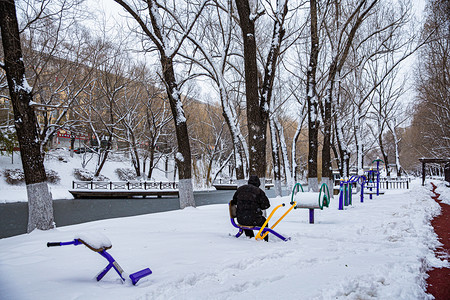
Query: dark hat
x=254, y=180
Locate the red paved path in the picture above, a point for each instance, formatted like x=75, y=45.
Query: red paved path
x=439, y=280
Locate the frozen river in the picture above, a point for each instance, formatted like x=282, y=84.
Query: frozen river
x=14, y=216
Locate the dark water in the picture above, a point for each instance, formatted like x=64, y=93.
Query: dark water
x=14, y=216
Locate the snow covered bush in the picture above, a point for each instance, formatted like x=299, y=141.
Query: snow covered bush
x=16, y=176
x=126, y=174
x=52, y=176
x=86, y=175
x=57, y=155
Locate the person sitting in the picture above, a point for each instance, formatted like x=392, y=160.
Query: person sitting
x=250, y=201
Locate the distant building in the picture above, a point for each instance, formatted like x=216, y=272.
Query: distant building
x=63, y=139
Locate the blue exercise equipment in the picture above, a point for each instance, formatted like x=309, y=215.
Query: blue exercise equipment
x=101, y=248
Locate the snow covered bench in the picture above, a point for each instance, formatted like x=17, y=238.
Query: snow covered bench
x=99, y=243
x=310, y=200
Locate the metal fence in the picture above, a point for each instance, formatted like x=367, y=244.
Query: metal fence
x=394, y=183
x=124, y=185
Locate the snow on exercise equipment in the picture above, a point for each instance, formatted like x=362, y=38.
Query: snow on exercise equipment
x=310, y=200
x=99, y=243
x=262, y=230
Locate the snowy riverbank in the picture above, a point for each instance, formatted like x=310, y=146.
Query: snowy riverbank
x=63, y=164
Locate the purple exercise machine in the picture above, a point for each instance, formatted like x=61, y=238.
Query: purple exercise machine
x=345, y=190
x=112, y=263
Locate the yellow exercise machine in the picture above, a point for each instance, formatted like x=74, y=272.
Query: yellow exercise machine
x=258, y=236
x=261, y=229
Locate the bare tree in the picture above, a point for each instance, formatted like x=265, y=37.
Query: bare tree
x=256, y=117
x=113, y=78
x=212, y=56
x=396, y=131
x=275, y=155
x=157, y=120
x=313, y=101
x=40, y=209
x=168, y=38
x=432, y=116
x=301, y=118
x=277, y=121
x=387, y=107
x=58, y=71
x=209, y=136
x=346, y=26
x=258, y=104
x=369, y=81
x=129, y=111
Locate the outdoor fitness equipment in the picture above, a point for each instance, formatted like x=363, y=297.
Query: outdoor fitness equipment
x=262, y=230
x=310, y=200
x=99, y=243
x=345, y=190
x=371, y=183
x=373, y=179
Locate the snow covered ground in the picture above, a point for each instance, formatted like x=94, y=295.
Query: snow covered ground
x=61, y=162
x=379, y=249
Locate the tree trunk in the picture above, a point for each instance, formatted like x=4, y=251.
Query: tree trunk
x=284, y=154
x=327, y=171
x=397, y=154
x=275, y=158
x=311, y=99
x=134, y=152
x=346, y=159
x=72, y=146
x=183, y=156
x=294, y=148
x=339, y=150
x=40, y=209
x=359, y=142
x=336, y=153
x=103, y=156
x=256, y=116
x=239, y=154
x=294, y=154
x=384, y=154
x=152, y=159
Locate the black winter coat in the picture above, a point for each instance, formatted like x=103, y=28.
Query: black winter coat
x=250, y=201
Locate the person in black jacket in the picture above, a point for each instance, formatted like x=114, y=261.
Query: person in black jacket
x=250, y=201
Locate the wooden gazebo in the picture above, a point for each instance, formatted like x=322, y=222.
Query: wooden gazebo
x=425, y=161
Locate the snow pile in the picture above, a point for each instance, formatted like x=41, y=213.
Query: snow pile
x=96, y=240
x=307, y=199
x=379, y=249
x=444, y=191
x=86, y=175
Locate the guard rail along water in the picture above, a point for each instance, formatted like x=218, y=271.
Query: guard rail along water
x=121, y=189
